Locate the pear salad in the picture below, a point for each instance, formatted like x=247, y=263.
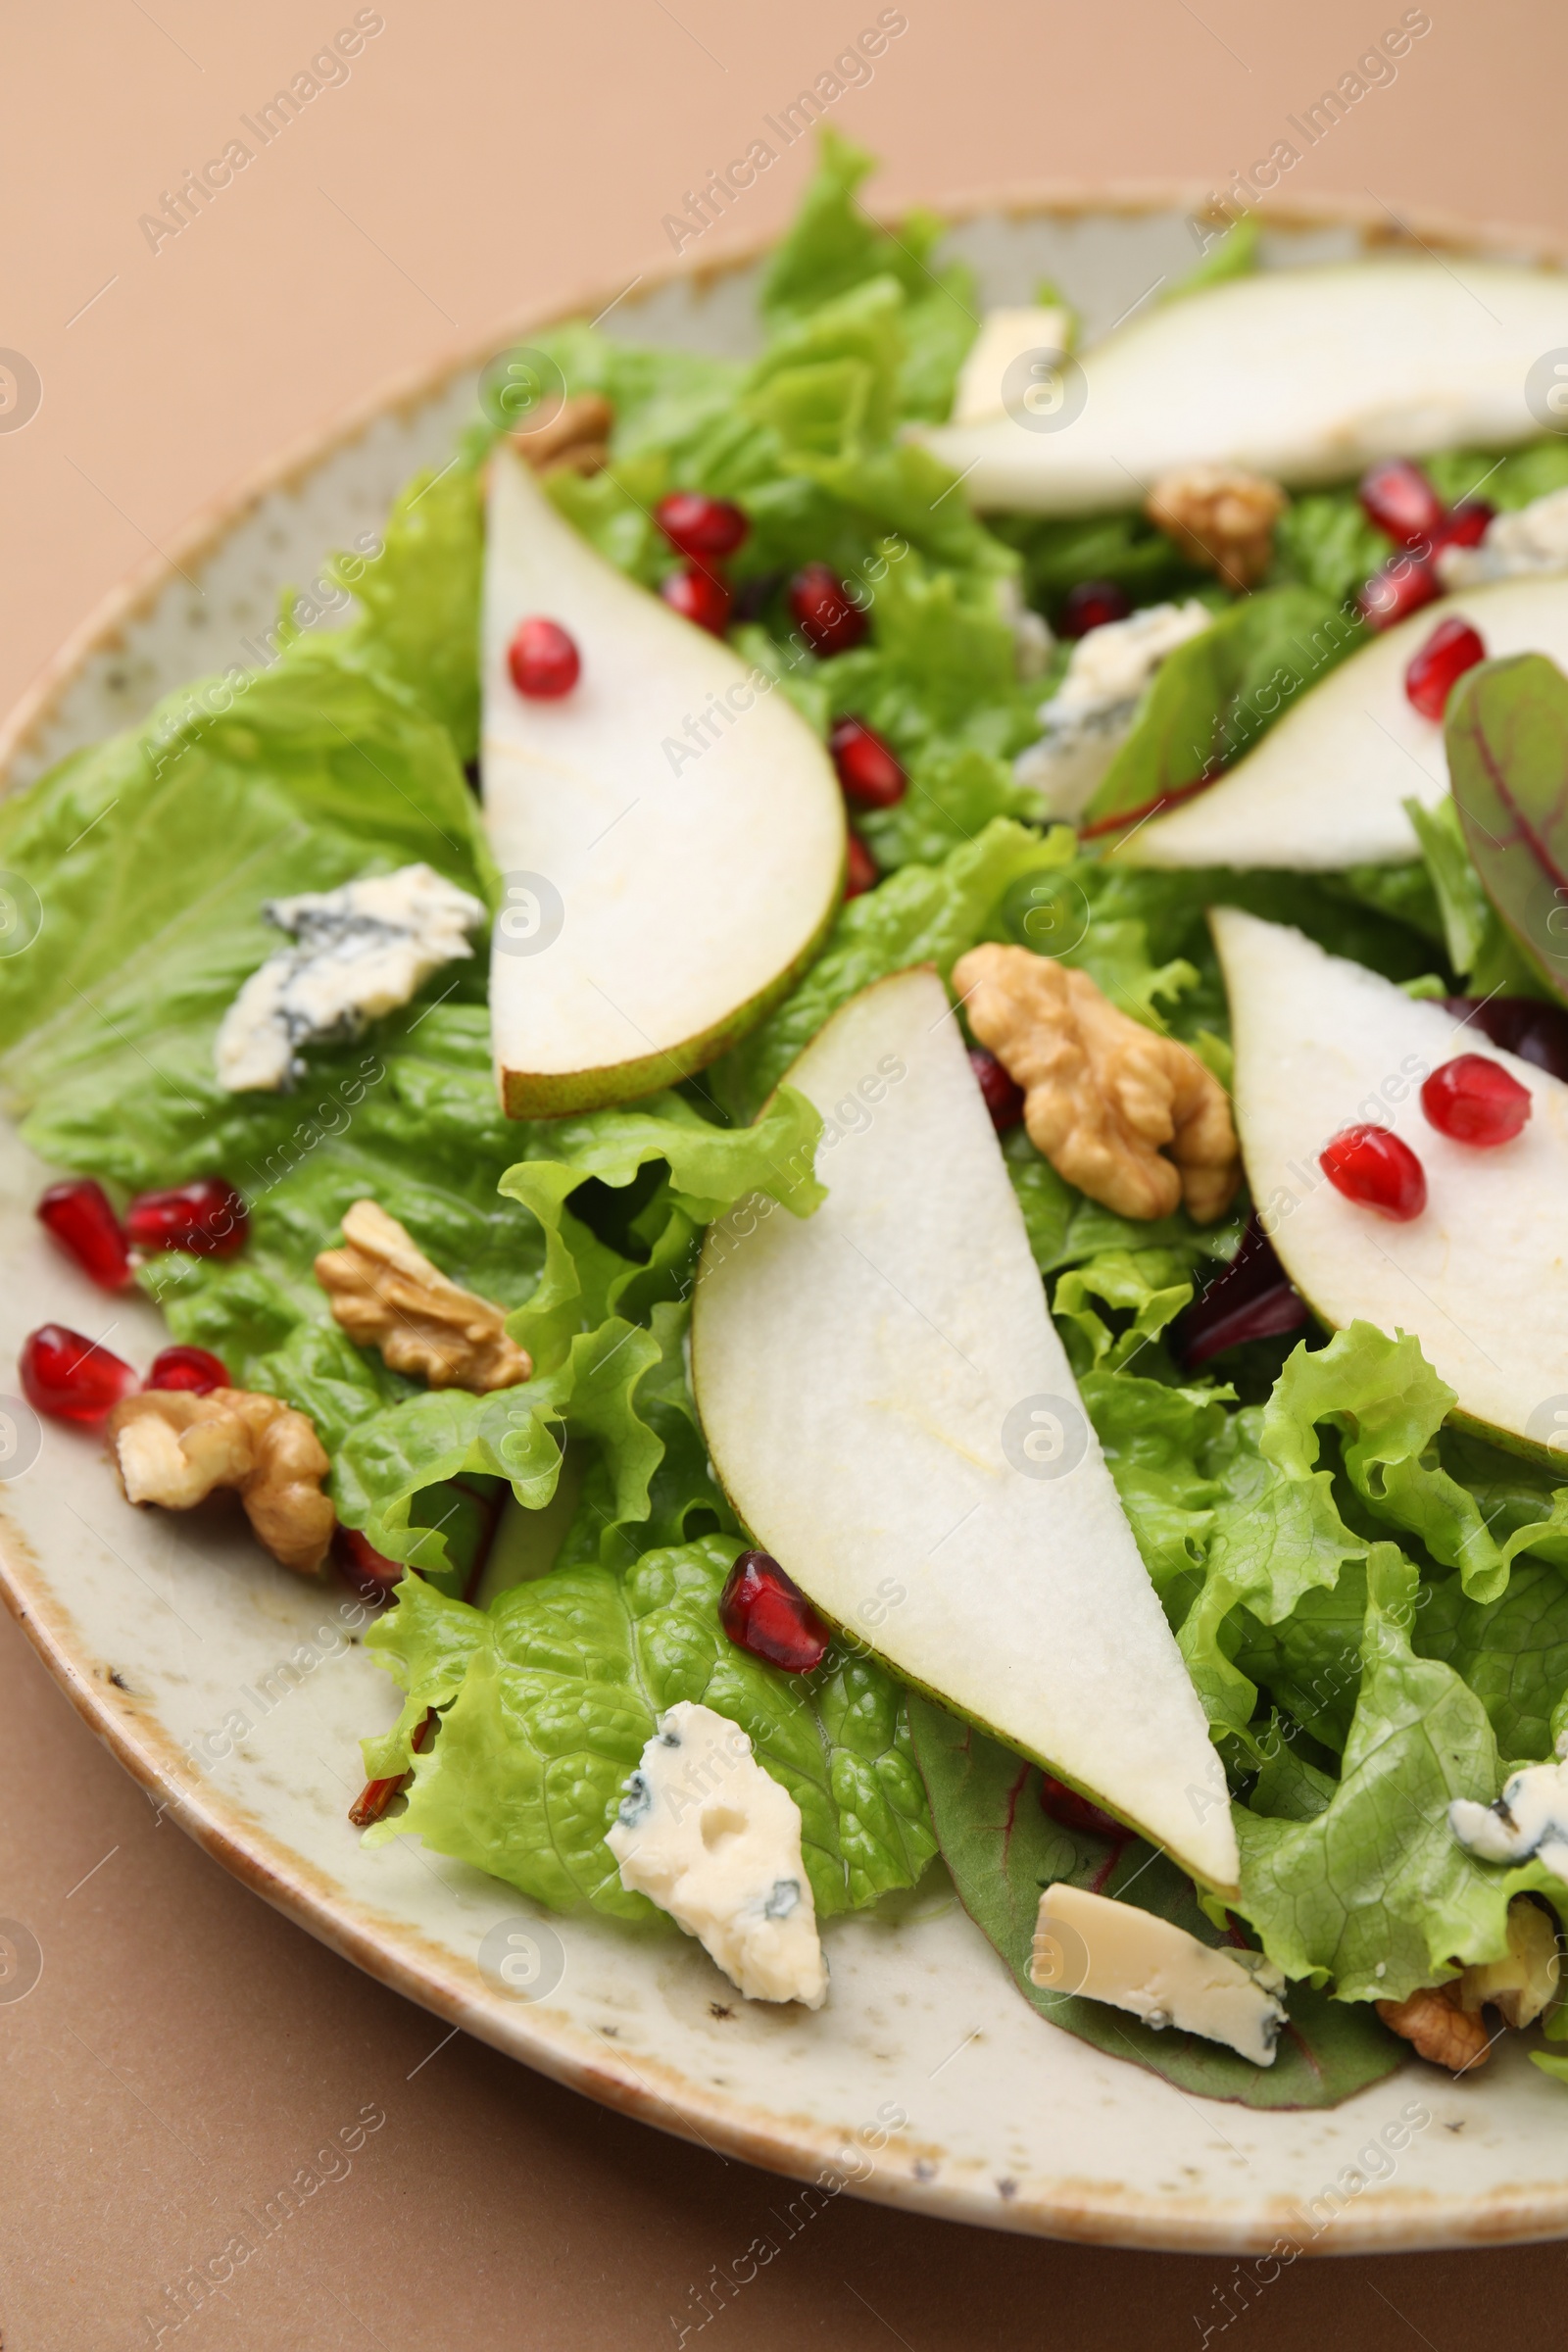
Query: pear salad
x=862, y=1095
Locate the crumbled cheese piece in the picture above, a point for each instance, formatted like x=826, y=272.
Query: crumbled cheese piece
x=1032, y=641
x=1090, y=714
x=359, y=952
x=716, y=1841
x=1111, y=1951
x=1534, y=539
x=1004, y=338
x=1530, y=1817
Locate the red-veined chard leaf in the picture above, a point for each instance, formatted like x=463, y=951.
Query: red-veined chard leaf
x=1004, y=1849
x=1507, y=743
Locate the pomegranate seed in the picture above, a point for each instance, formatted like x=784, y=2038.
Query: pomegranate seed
x=863, y=873
x=1399, y=589
x=1090, y=606
x=1397, y=498
x=764, y=1611
x=868, y=769
x=70, y=1377
x=699, y=596
x=1464, y=525
x=1370, y=1166
x=699, y=526
x=80, y=1218
x=1537, y=1031
x=1476, y=1100
x=543, y=660
x=1003, y=1100
x=1075, y=1812
x=193, y=1368
x=1432, y=673
x=207, y=1219
x=826, y=619
x=373, y=1577
x=1253, y=1299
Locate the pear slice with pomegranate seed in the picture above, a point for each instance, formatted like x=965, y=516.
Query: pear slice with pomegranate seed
x=1305, y=375
x=890, y=1409
x=671, y=833
x=1326, y=786
x=1480, y=1277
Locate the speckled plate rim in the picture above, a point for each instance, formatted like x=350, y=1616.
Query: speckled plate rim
x=410, y=1963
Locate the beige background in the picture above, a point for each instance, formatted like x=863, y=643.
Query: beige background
x=186, y=2051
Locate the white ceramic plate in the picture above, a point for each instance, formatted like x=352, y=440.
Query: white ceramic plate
x=239, y=1693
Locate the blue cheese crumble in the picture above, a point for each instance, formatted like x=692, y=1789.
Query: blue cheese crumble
x=357, y=953
x=707, y=1835
x=1529, y=1819
x=1090, y=715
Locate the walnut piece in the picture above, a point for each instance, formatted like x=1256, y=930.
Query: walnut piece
x=1433, y=2021
x=1220, y=517
x=387, y=1294
x=1133, y=1119
x=575, y=440
x=174, y=1447
x=1520, y=1987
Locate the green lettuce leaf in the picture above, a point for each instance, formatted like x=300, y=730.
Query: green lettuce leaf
x=418, y=627
x=1477, y=947
x=954, y=792
x=832, y=248
x=151, y=855
x=921, y=914
x=1233, y=254
x=1150, y=1286
x=551, y=1697
x=1004, y=1849
x=1512, y=1651
x=1375, y=1892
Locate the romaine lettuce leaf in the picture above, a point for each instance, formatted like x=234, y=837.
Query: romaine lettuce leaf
x=152, y=856
x=418, y=626
x=551, y=1697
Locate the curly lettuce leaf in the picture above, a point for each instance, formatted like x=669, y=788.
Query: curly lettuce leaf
x=1004, y=1849
x=1375, y=1892
x=921, y=914
x=710, y=1168
x=1148, y=1286
x=832, y=247
x=551, y=1697
x=1280, y=1537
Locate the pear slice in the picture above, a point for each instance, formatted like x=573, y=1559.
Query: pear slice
x=1481, y=1276
x=891, y=1411
x=1306, y=374
x=1326, y=786
x=671, y=832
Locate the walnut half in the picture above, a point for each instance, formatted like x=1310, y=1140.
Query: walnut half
x=1432, y=2020
x=1220, y=517
x=1132, y=1118
x=574, y=440
x=174, y=1447
x=387, y=1294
